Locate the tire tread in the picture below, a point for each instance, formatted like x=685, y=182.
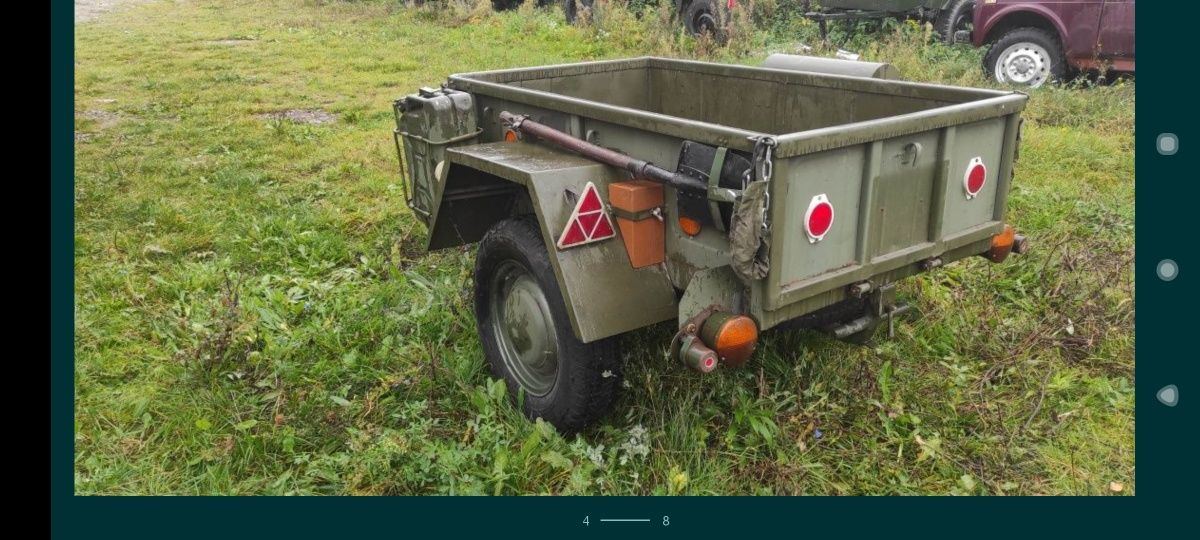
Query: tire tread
x=589, y=395
x=1049, y=40
x=945, y=19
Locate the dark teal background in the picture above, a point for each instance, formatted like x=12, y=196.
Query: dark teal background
x=1166, y=442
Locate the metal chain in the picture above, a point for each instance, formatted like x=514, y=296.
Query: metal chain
x=767, y=162
x=764, y=160
x=766, y=223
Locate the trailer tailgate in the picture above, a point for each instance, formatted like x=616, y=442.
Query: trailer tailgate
x=897, y=201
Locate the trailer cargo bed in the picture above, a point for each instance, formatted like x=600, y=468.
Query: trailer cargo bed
x=729, y=199
x=729, y=100
x=891, y=156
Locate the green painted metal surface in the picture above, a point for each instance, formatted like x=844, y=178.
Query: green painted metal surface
x=603, y=293
x=714, y=286
x=429, y=122
x=524, y=328
x=889, y=155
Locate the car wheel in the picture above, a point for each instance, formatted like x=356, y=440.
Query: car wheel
x=959, y=15
x=1026, y=57
x=571, y=8
x=526, y=333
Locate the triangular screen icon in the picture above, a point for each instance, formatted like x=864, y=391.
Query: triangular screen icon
x=588, y=223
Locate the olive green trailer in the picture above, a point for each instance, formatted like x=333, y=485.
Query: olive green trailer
x=730, y=199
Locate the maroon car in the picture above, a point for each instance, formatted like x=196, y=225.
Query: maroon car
x=1037, y=41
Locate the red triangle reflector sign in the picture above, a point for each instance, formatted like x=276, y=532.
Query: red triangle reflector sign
x=588, y=223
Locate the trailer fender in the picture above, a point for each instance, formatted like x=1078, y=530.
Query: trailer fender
x=603, y=293
x=467, y=202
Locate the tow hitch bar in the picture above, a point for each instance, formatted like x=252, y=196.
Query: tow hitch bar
x=855, y=326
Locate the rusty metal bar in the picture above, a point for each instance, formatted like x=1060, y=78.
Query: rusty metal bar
x=639, y=168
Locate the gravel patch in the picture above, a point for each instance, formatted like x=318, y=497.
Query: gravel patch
x=103, y=119
x=304, y=116
x=90, y=10
x=230, y=42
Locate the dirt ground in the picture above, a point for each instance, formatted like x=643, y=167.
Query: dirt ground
x=90, y=10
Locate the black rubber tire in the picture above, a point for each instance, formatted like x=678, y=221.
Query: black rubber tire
x=694, y=12
x=1047, y=40
x=582, y=391
x=571, y=8
x=949, y=19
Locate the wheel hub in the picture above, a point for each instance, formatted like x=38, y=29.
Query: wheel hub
x=524, y=328
x=1024, y=63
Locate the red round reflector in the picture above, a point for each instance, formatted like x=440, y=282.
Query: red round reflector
x=819, y=218
x=975, y=177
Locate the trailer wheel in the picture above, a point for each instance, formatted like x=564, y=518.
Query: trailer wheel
x=959, y=15
x=1026, y=56
x=526, y=333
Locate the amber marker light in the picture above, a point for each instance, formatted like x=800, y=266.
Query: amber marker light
x=689, y=226
x=1002, y=244
x=733, y=337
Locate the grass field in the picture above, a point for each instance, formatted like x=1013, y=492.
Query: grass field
x=254, y=314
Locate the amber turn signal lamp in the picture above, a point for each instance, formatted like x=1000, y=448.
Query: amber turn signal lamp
x=733, y=337
x=689, y=226
x=511, y=136
x=1002, y=245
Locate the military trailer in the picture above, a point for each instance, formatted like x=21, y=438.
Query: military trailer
x=948, y=17
x=712, y=16
x=609, y=196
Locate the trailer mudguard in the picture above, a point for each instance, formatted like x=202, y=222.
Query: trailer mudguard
x=603, y=293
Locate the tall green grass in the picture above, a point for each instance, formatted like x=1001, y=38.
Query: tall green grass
x=254, y=314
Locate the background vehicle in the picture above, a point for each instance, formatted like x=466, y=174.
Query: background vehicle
x=700, y=16
x=800, y=202
x=1032, y=42
x=697, y=16
x=947, y=16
